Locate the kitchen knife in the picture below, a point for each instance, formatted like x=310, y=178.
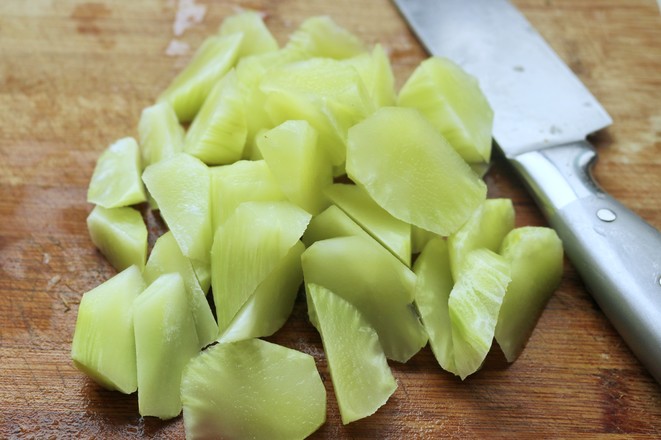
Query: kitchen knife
x=543, y=114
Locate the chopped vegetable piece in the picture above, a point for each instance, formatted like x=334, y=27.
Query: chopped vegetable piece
x=299, y=165
x=269, y=307
x=327, y=93
x=116, y=178
x=218, y=133
x=161, y=135
x=535, y=254
x=392, y=233
x=181, y=187
x=380, y=286
x=120, y=234
x=247, y=248
x=165, y=340
x=252, y=389
x=166, y=257
x=452, y=100
x=376, y=72
x=411, y=171
x=321, y=37
x=486, y=228
x=214, y=58
x=474, y=305
x=242, y=181
x=331, y=223
x=432, y=293
x=257, y=38
x=103, y=344
x=361, y=377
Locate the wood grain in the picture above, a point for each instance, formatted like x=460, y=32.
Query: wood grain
x=75, y=75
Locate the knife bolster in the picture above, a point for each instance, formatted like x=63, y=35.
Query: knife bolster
x=559, y=175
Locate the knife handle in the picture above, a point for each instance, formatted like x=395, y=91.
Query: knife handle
x=617, y=254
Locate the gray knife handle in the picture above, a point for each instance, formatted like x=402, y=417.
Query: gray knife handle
x=617, y=254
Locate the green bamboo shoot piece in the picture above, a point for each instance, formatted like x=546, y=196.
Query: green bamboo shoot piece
x=165, y=340
x=361, y=377
x=120, y=234
x=452, y=101
x=411, y=171
x=103, y=344
x=536, y=257
x=116, y=178
x=252, y=389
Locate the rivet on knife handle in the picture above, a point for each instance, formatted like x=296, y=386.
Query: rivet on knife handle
x=617, y=254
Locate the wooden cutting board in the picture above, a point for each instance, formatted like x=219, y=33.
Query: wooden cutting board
x=74, y=76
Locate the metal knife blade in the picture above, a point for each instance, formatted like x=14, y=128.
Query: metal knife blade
x=542, y=115
x=537, y=100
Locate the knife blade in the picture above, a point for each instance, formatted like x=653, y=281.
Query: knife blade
x=542, y=116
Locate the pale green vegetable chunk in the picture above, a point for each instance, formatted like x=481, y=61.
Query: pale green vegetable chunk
x=257, y=38
x=116, y=178
x=331, y=223
x=380, y=286
x=217, y=136
x=252, y=389
x=242, y=181
x=250, y=71
x=376, y=72
x=165, y=340
x=166, y=257
x=474, y=305
x=120, y=234
x=181, y=187
x=452, y=100
x=535, y=254
x=298, y=163
x=247, y=248
x=268, y=308
x=212, y=60
x=361, y=377
x=161, y=135
x=392, y=233
x=327, y=93
x=411, y=171
x=486, y=228
x=103, y=344
x=432, y=268
x=321, y=37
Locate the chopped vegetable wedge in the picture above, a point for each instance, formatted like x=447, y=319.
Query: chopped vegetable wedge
x=247, y=248
x=165, y=340
x=432, y=293
x=486, y=228
x=298, y=163
x=535, y=254
x=181, y=187
x=166, y=257
x=452, y=100
x=120, y=234
x=188, y=90
x=392, y=233
x=411, y=171
x=380, y=286
x=103, y=344
x=252, y=389
x=269, y=307
x=116, y=178
x=361, y=377
x=217, y=136
x=474, y=305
